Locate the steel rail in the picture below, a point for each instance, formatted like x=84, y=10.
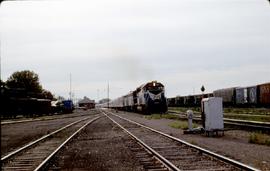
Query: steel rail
x=164, y=161
x=38, y=119
x=40, y=139
x=56, y=150
x=228, y=119
x=19, y=121
x=263, y=126
x=220, y=157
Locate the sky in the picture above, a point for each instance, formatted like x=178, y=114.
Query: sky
x=184, y=44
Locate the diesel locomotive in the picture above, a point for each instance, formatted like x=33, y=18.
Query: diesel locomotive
x=147, y=98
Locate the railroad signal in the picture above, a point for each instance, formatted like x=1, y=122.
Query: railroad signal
x=202, y=88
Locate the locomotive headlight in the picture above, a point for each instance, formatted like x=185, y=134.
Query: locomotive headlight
x=154, y=84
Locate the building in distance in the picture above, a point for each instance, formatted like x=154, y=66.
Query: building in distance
x=87, y=103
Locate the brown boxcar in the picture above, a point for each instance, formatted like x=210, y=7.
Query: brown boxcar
x=264, y=97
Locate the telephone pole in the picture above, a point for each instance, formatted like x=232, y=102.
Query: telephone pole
x=108, y=94
x=70, y=87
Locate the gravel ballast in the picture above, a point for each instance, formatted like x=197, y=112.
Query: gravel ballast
x=234, y=144
x=100, y=146
x=17, y=135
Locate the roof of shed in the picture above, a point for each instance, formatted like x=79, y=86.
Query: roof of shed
x=86, y=100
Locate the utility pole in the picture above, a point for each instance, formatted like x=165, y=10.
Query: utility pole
x=70, y=87
x=97, y=95
x=108, y=94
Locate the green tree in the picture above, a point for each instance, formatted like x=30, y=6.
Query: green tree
x=47, y=94
x=27, y=80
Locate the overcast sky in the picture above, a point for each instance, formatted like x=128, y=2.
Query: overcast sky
x=182, y=43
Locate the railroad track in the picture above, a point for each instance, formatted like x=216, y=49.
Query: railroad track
x=173, y=153
x=244, y=124
x=53, y=117
x=35, y=155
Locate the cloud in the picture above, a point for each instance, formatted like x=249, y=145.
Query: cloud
x=184, y=83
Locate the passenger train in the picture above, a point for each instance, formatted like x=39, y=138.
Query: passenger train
x=147, y=98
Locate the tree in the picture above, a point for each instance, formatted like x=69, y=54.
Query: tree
x=47, y=94
x=27, y=80
x=2, y=83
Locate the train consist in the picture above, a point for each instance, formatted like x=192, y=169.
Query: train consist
x=252, y=96
x=16, y=102
x=147, y=98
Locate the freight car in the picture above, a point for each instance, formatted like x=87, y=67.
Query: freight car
x=67, y=106
x=16, y=102
x=228, y=96
x=252, y=96
x=187, y=101
x=147, y=98
x=264, y=94
x=28, y=107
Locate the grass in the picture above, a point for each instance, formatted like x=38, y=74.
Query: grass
x=259, y=138
x=248, y=117
x=160, y=116
x=193, y=142
x=175, y=124
x=257, y=111
x=250, y=111
x=261, y=118
x=251, y=114
x=181, y=125
x=184, y=109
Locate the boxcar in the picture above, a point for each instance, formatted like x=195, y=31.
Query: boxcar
x=189, y=100
x=68, y=106
x=171, y=102
x=179, y=101
x=252, y=95
x=264, y=96
x=241, y=96
x=197, y=99
x=43, y=106
x=227, y=94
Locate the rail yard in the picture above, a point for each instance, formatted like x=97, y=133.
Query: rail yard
x=123, y=134
x=135, y=85
x=112, y=141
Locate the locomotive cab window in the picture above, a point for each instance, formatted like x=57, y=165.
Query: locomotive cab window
x=154, y=88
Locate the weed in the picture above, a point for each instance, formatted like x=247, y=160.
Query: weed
x=181, y=125
x=160, y=116
x=193, y=142
x=259, y=138
x=251, y=114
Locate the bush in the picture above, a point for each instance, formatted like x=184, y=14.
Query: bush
x=181, y=125
x=259, y=138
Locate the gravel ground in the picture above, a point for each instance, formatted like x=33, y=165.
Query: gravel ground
x=31, y=157
x=233, y=145
x=100, y=146
x=16, y=135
